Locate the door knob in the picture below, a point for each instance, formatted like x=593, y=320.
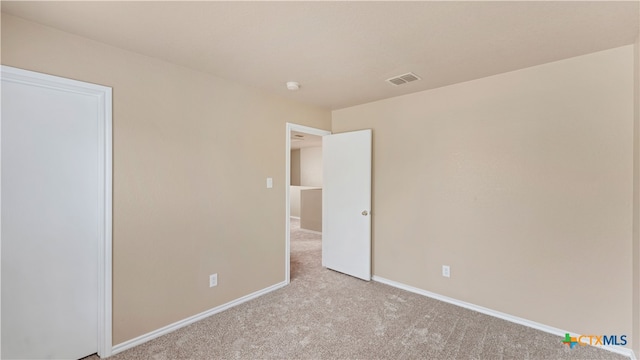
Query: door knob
x=365, y=213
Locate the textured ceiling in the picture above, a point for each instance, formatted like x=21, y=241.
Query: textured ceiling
x=342, y=52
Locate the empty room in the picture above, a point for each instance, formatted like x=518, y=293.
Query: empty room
x=320, y=180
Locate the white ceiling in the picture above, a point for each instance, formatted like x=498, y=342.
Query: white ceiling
x=342, y=52
x=301, y=140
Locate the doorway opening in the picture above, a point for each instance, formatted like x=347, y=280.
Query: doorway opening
x=303, y=188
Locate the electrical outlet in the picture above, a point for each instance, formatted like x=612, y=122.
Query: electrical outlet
x=446, y=271
x=213, y=280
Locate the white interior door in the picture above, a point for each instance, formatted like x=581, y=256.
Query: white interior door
x=53, y=204
x=346, y=223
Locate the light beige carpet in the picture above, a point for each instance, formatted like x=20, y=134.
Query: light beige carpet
x=323, y=314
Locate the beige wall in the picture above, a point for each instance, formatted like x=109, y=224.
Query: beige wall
x=636, y=200
x=294, y=199
x=311, y=166
x=295, y=167
x=521, y=182
x=311, y=209
x=306, y=169
x=182, y=199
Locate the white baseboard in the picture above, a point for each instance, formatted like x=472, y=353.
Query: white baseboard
x=514, y=319
x=190, y=320
x=295, y=217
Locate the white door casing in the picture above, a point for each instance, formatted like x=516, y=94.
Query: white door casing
x=56, y=216
x=346, y=207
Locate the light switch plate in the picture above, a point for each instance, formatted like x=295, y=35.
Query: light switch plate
x=269, y=183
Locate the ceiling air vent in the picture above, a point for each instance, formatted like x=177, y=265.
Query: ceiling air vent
x=403, y=79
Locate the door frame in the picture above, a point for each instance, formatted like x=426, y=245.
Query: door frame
x=307, y=130
x=103, y=94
